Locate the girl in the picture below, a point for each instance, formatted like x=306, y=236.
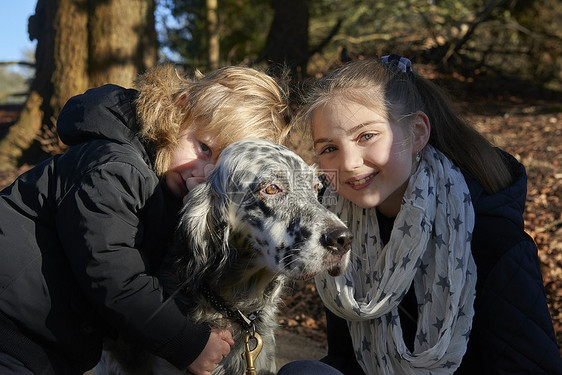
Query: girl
x=443, y=279
x=82, y=233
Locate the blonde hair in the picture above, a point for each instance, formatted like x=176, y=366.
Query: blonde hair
x=398, y=95
x=229, y=104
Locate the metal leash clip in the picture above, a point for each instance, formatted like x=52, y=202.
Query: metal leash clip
x=251, y=355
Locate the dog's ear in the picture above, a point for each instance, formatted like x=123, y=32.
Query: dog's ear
x=202, y=245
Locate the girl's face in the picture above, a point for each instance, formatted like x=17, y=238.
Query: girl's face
x=368, y=158
x=191, y=160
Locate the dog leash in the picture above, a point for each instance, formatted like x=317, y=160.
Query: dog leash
x=250, y=355
x=247, y=322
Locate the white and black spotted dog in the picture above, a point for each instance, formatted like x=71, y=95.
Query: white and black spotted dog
x=255, y=223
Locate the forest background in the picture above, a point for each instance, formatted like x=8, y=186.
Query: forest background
x=501, y=59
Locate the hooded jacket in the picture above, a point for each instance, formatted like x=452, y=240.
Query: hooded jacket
x=80, y=237
x=512, y=331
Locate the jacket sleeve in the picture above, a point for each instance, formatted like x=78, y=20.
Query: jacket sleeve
x=101, y=231
x=512, y=328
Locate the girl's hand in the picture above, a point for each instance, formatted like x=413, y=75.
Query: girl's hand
x=216, y=349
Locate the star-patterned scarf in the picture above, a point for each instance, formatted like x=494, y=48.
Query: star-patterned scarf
x=429, y=245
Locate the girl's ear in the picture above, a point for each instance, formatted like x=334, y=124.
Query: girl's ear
x=421, y=130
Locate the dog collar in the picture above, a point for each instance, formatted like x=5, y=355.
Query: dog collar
x=219, y=304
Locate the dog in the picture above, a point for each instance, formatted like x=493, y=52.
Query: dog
x=254, y=224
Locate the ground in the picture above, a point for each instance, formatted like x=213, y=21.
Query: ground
x=524, y=121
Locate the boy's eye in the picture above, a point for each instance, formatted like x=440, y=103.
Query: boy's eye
x=327, y=150
x=206, y=149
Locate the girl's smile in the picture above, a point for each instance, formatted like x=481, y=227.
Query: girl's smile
x=359, y=183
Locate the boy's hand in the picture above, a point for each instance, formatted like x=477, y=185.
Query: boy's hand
x=216, y=349
x=191, y=182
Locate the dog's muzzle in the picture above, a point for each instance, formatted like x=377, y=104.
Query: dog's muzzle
x=337, y=240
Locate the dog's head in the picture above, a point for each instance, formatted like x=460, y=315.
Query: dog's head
x=259, y=212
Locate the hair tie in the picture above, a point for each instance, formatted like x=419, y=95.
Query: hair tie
x=403, y=63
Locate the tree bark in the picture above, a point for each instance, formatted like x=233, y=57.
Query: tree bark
x=122, y=43
x=70, y=56
x=21, y=135
x=213, y=31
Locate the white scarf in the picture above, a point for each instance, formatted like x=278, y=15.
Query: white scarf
x=429, y=245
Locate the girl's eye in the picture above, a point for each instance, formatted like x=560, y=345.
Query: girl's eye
x=272, y=189
x=366, y=137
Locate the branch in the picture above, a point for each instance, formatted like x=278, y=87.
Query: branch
x=27, y=63
x=5, y=95
x=483, y=14
x=327, y=39
x=364, y=38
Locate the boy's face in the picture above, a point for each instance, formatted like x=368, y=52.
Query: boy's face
x=191, y=161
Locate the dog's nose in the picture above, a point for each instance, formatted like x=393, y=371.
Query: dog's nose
x=338, y=240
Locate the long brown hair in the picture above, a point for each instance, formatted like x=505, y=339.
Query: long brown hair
x=397, y=95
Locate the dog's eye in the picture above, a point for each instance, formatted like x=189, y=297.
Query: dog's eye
x=271, y=189
x=317, y=187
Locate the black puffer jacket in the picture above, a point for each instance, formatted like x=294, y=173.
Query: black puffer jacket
x=80, y=235
x=512, y=330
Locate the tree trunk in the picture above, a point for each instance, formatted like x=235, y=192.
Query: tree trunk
x=70, y=56
x=122, y=40
x=22, y=134
x=80, y=44
x=287, y=41
x=213, y=30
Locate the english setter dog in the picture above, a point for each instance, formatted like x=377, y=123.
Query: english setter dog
x=253, y=225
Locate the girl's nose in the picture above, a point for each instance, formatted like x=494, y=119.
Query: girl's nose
x=351, y=158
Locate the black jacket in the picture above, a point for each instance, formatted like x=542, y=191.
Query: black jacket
x=512, y=330
x=80, y=236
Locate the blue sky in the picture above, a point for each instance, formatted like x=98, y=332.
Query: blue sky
x=14, y=40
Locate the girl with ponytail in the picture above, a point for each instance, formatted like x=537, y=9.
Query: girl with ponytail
x=442, y=279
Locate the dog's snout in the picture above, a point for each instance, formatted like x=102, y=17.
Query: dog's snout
x=338, y=240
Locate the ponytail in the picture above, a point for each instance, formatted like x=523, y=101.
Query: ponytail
x=465, y=146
